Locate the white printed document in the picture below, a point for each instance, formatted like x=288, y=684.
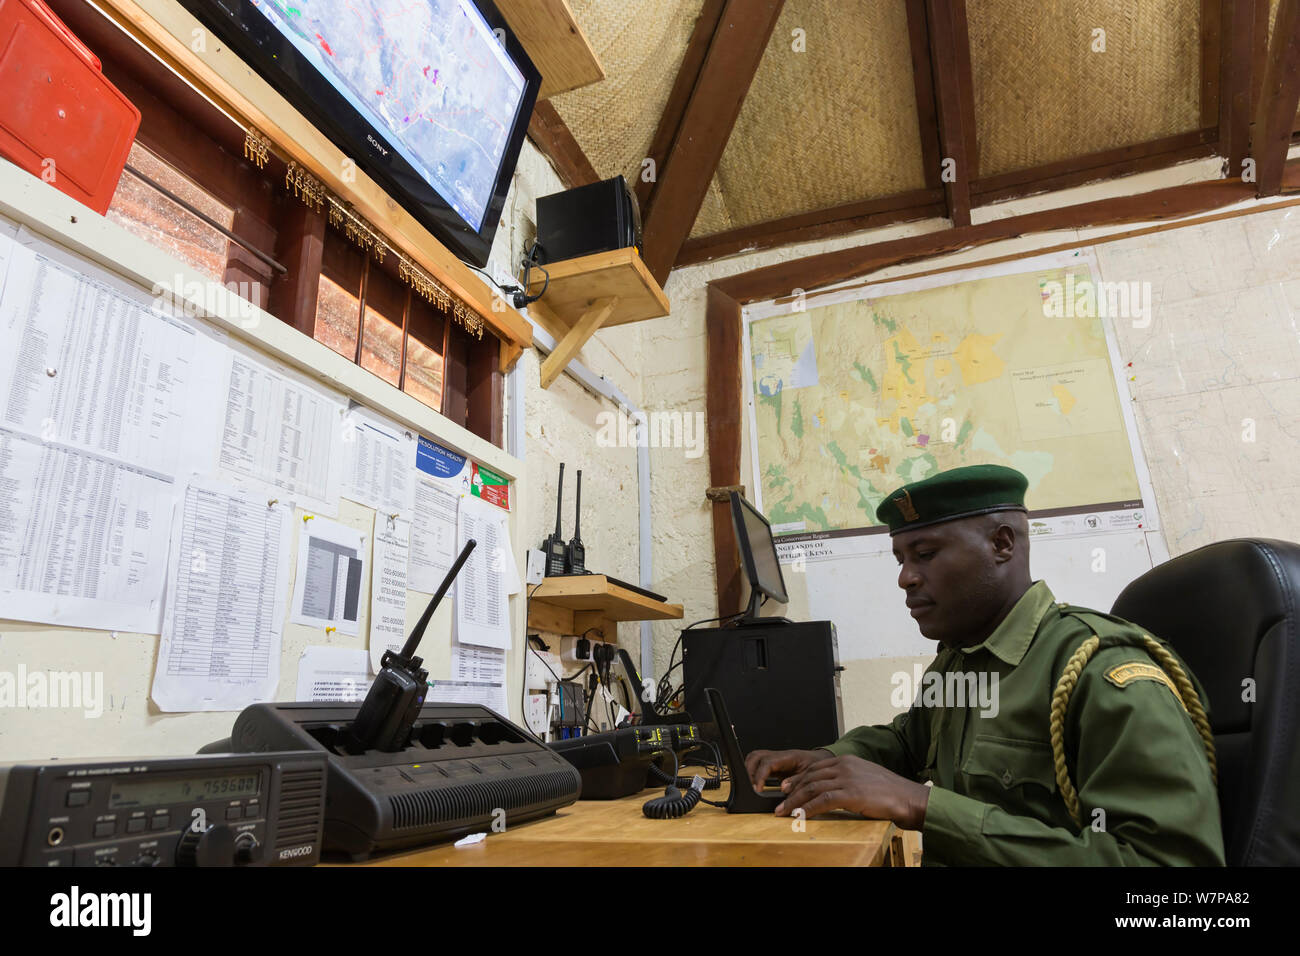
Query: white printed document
x=104, y=402
x=83, y=538
x=226, y=582
x=327, y=588
x=478, y=676
x=378, y=463
x=283, y=433
x=332, y=673
x=482, y=616
x=433, y=534
x=86, y=361
x=388, y=587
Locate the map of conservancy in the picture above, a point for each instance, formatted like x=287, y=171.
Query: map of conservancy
x=428, y=73
x=853, y=399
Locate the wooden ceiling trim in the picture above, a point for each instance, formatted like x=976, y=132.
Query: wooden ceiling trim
x=814, y=272
x=955, y=96
x=1279, y=100
x=722, y=323
x=1258, y=53
x=927, y=115
x=729, y=66
x=1236, y=64
x=552, y=136
x=821, y=224
x=1212, y=40
x=688, y=74
x=1106, y=164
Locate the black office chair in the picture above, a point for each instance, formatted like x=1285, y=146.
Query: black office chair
x=1232, y=611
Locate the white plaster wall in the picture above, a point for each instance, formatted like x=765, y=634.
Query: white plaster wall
x=563, y=424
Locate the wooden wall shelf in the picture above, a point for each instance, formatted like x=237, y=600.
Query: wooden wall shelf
x=554, y=42
x=593, y=292
x=572, y=605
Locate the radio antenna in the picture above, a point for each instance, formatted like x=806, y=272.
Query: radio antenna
x=577, y=563
x=553, y=544
x=559, y=501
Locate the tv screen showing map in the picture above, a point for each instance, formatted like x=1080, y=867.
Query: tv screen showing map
x=429, y=97
x=430, y=74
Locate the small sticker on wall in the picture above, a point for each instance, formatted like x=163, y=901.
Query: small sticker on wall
x=490, y=486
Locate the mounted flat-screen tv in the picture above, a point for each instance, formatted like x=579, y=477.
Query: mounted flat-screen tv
x=431, y=98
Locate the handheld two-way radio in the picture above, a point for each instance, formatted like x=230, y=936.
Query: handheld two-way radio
x=577, y=557
x=395, y=698
x=553, y=547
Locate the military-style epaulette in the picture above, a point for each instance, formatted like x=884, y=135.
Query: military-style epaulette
x=1168, y=672
x=1122, y=675
x=1077, y=612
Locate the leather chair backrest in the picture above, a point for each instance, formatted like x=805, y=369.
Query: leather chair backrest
x=1231, y=611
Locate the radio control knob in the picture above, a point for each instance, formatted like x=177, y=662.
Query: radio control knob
x=214, y=846
x=247, y=849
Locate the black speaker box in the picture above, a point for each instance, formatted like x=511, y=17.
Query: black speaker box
x=595, y=218
x=781, y=682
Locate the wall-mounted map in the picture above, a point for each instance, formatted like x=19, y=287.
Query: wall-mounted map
x=853, y=399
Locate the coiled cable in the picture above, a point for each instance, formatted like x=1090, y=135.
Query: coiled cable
x=673, y=803
x=661, y=775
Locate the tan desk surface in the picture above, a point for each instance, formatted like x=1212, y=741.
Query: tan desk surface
x=617, y=833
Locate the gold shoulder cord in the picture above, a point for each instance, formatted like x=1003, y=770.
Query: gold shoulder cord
x=1070, y=677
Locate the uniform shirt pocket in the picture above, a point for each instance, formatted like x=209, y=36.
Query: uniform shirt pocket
x=999, y=764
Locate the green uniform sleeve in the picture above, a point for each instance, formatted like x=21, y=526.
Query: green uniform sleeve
x=900, y=745
x=1145, y=792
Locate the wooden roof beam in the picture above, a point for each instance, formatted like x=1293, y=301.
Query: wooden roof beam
x=552, y=136
x=955, y=95
x=1236, y=64
x=927, y=115
x=688, y=74
x=1279, y=100
x=729, y=66
x=815, y=272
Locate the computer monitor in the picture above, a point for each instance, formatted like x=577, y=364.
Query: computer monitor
x=757, y=554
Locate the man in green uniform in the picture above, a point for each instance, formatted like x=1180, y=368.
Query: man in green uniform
x=1132, y=780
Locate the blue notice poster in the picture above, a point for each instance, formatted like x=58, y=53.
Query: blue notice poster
x=438, y=462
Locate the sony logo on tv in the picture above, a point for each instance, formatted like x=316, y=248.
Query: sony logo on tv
x=375, y=143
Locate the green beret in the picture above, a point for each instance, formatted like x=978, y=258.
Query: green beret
x=957, y=493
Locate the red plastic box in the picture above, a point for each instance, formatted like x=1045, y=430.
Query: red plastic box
x=59, y=118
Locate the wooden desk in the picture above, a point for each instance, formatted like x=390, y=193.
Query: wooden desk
x=617, y=833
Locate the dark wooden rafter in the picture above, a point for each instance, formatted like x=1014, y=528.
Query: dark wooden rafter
x=688, y=74
x=723, y=404
x=552, y=136
x=1237, y=27
x=955, y=100
x=822, y=224
x=729, y=66
x=1229, y=34
x=927, y=110
x=1107, y=164
x=1279, y=100
x=1212, y=38
x=1258, y=54
x=925, y=203
x=818, y=271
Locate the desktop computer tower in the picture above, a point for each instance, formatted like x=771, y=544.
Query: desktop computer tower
x=781, y=682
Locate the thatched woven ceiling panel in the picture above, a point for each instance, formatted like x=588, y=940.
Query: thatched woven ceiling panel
x=1043, y=94
x=640, y=44
x=833, y=124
